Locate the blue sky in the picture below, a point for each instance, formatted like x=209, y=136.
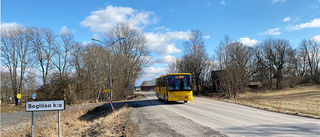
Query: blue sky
x=166, y=23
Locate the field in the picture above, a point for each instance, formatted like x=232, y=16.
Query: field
x=303, y=101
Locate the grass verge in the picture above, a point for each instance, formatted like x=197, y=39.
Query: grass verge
x=303, y=101
x=12, y=108
x=78, y=121
x=97, y=121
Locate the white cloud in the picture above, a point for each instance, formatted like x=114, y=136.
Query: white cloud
x=276, y=1
x=161, y=43
x=164, y=59
x=64, y=30
x=167, y=49
x=85, y=43
x=162, y=28
x=206, y=37
x=314, y=6
x=315, y=23
x=11, y=25
x=101, y=20
x=286, y=19
x=151, y=73
x=95, y=35
x=223, y=2
x=246, y=41
x=316, y=38
x=153, y=70
x=297, y=18
x=274, y=31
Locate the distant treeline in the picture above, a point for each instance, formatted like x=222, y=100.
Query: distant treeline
x=68, y=69
x=273, y=62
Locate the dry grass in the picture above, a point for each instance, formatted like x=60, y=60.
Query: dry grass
x=12, y=108
x=93, y=121
x=136, y=96
x=304, y=101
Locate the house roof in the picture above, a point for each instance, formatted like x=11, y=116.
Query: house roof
x=148, y=83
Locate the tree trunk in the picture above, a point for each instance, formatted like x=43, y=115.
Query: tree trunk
x=16, y=100
x=197, y=84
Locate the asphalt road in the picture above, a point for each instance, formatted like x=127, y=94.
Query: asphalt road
x=216, y=118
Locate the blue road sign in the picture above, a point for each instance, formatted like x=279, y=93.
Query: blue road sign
x=34, y=96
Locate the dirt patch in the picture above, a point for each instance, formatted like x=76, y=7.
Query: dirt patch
x=106, y=125
x=136, y=96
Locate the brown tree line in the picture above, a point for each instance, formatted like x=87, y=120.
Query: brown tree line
x=273, y=62
x=62, y=62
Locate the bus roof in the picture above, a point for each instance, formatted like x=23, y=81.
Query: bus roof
x=174, y=74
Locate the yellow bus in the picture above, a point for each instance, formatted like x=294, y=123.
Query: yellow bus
x=174, y=87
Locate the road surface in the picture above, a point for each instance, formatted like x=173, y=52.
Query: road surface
x=216, y=118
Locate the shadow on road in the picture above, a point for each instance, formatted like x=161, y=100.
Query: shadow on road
x=105, y=109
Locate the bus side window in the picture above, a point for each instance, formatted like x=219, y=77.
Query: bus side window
x=162, y=82
x=157, y=83
x=166, y=81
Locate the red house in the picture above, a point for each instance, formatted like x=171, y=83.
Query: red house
x=148, y=86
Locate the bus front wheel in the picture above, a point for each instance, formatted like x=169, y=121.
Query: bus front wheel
x=185, y=101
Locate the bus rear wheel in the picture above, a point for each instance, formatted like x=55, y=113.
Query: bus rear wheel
x=185, y=101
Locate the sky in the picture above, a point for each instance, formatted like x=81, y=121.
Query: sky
x=166, y=24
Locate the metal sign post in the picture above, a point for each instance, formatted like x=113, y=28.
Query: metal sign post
x=32, y=125
x=59, y=122
x=32, y=106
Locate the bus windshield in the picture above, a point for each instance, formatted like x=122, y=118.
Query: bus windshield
x=179, y=82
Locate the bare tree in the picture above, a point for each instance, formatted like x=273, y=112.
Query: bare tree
x=174, y=66
x=16, y=55
x=43, y=41
x=78, y=64
x=6, y=89
x=31, y=82
x=277, y=58
x=310, y=54
x=95, y=58
x=62, y=52
x=61, y=62
x=195, y=58
x=128, y=57
x=237, y=64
